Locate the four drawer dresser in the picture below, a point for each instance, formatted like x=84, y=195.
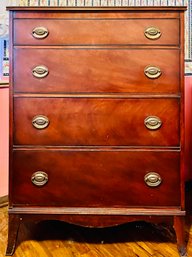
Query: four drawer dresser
x=96, y=116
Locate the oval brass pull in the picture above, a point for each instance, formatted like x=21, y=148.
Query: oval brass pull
x=40, y=122
x=152, y=33
x=152, y=122
x=153, y=179
x=40, y=71
x=39, y=178
x=152, y=72
x=40, y=32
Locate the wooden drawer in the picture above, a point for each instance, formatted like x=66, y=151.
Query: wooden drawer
x=95, y=31
x=96, y=121
x=98, y=178
x=96, y=70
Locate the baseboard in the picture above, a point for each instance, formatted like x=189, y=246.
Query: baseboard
x=3, y=201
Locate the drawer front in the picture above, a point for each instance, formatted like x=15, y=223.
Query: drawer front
x=98, y=179
x=96, y=70
x=96, y=121
x=96, y=31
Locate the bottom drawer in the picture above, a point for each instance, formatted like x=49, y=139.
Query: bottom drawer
x=84, y=178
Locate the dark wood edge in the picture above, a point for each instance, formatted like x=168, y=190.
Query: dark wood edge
x=182, y=112
x=64, y=148
x=95, y=95
x=3, y=201
x=97, y=211
x=98, y=8
x=4, y=86
x=11, y=71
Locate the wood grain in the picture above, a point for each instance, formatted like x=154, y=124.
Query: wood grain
x=100, y=181
x=81, y=32
x=96, y=70
x=96, y=121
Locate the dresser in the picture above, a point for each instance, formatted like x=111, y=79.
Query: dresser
x=97, y=116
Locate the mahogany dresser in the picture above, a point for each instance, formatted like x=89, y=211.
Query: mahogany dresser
x=96, y=116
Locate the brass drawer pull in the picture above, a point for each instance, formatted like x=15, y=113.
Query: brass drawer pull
x=152, y=33
x=40, y=122
x=152, y=122
x=40, y=32
x=152, y=72
x=40, y=71
x=39, y=178
x=153, y=179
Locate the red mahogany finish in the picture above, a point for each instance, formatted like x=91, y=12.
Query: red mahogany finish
x=96, y=121
x=81, y=32
x=92, y=177
x=96, y=116
x=103, y=70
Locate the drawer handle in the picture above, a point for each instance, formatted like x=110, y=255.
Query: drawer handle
x=152, y=72
x=152, y=33
x=40, y=71
x=153, y=179
x=152, y=122
x=40, y=32
x=39, y=178
x=40, y=122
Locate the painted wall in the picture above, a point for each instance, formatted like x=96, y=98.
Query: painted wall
x=188, y=126
x=4, y=132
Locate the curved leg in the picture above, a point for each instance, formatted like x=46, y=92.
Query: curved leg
x=13, y=224
x=179, y=226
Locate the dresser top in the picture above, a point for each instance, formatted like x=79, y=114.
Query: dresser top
x=98, y=8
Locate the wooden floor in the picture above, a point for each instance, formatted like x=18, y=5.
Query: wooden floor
x=58, y=239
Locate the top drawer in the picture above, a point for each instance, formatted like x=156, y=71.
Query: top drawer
x=96, y=31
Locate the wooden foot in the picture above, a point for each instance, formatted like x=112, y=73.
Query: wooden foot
x=179, y=226
x=13, y=224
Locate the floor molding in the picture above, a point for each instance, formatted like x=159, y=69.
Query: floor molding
x=3, y=201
